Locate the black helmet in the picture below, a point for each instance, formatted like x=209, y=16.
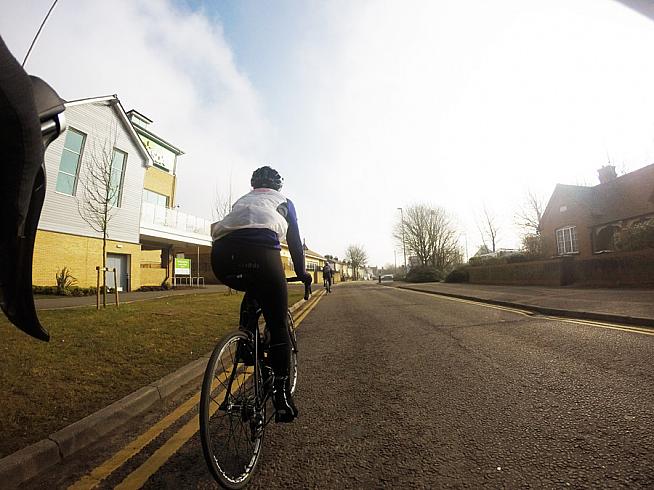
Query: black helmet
x=266, y=177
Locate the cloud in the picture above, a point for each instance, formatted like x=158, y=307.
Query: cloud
x=171, y=64
x=371, y=105
x=466, y=104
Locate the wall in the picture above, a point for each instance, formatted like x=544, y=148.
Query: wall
x=162, y=182
x=575, y=214
x=632, y=269
x=152, y=277
x=616, y=270
x=542, y=273
x=54, y=251
x=60, y=211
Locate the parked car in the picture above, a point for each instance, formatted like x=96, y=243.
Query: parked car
x=387, y=278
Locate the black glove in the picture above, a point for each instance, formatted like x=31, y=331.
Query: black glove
x=306, y=278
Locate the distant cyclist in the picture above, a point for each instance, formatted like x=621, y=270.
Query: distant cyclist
x=248, y=241
x=327, y=276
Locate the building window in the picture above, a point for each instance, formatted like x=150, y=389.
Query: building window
x=69, y=165
x=117, y=171
x=566, y=240
x=155, y=198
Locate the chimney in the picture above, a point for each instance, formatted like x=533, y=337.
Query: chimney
x=607, y=174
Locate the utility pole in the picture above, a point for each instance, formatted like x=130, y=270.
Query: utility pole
x=403, y=241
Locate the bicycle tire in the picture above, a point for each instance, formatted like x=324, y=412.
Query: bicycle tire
x=231, y=427
x=293, y=365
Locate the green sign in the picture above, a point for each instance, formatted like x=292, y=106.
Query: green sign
x=182, y=267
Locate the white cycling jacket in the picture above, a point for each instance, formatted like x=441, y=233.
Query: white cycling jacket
x=260, y=208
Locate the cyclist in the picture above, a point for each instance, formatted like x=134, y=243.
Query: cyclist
x=248, y=241
x=327, y=275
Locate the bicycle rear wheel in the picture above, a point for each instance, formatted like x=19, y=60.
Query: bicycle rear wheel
x=292, y=372
x=232, y=418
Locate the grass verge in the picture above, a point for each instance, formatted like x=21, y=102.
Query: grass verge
x=97, y=357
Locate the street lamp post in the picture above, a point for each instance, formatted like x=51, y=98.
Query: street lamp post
x=403, y=241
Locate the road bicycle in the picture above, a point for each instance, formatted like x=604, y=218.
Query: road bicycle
x=236, y=389
x=328, y=285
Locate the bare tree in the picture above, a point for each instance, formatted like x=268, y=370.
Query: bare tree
x=430, y=235
x=221, y=206
x=530, y=214
x=529, y=218
x=489, y=230
x=101, y=192
x=357, y=256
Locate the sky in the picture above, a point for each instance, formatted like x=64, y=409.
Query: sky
x=365, y=106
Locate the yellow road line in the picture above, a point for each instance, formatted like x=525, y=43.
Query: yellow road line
x=303, y=314
x=609, y=326
x=590, y=323
x=96, y=476
x=470, y=302
x=138, y=477
x=117, y=460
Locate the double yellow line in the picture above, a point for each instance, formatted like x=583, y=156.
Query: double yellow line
x=140, y=475
x=590, y=323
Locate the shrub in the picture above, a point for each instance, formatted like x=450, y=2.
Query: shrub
x=533, y=246
x=458, y=275
x=423, y=273
x=488, y=260
x=636, y=237
x=76, y=291
x=65, y=280
x=521, y=257
x=71, y=291
x=163, y=287
x=45, y=290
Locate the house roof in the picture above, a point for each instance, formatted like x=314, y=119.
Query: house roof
x=307, y=252
x=114, y=101
x=627, y=196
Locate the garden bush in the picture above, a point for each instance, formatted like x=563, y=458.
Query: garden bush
x=458, y=275
x=635, y=237
x=423, y=273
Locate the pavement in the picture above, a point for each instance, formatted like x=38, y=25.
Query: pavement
x=628, y=306
x=60, y=302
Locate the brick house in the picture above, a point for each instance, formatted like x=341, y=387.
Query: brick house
x=582, y=220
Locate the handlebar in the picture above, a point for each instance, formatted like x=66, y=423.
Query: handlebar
x=307, y=286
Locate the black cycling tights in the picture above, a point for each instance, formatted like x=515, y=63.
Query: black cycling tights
x=265, y=280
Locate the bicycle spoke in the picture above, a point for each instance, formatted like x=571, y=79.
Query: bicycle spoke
x=231, y=438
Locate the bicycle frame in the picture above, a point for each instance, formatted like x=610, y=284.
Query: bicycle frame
x=252, y=312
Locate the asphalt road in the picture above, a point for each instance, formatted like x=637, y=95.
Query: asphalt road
x=400, y=389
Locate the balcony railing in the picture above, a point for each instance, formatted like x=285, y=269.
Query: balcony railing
x=152, y=214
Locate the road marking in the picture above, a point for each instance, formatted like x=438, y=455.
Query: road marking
x=590, y=323
x=305, y=311
x=117, y=460
x=470, y=302
x=101, y=472
x=138, y=477
x=610, y=326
